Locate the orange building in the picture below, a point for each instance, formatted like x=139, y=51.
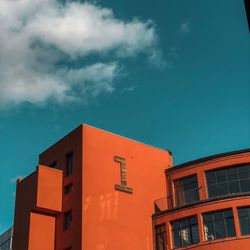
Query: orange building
x=207, y=205
x=92, y=190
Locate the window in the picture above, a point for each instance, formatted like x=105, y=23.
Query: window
x=160, y=236
x=244, y=219
x=185, y=232
x=53, y=165
x=69, y=164
x=219, y=225
x=67, y=223
x=68, y=189
x=228, y=181
x=186, y=190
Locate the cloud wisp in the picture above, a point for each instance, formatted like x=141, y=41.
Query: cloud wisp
x=45, y=45
x=185, y=28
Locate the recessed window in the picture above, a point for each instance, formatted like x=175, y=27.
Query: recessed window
x=227, y=181
x=219, y=225
x=69, y=164
x=161, y=238
x=244, y=219
x=67, y=223
x=185, y=232
x=186, y=190
x=68, y=189
x=53, y=165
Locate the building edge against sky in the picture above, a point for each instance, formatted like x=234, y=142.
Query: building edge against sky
x=92, y=182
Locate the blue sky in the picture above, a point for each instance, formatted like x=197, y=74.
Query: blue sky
x=173, y=74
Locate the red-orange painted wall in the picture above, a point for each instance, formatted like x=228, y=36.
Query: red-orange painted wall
x=42, y=232
x=35, y=212
x=104, y=218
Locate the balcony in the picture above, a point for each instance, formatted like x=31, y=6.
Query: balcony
x=178, y=199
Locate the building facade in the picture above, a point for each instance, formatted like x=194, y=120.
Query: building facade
x=6, y=240
x=92, y=190
x=207, y=205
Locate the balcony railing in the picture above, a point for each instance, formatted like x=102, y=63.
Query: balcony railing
x=190, y=196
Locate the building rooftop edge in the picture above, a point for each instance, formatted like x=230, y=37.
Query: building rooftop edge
x=88, y=125
x=207, y=158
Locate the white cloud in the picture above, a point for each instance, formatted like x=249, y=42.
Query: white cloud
x=44, y=46
x=185, y=28
x=129, y=89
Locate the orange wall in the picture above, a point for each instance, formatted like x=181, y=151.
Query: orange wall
x=40, y=192
x=113, y=219
x=72, y=201
x=104, y=218
x=42, y=232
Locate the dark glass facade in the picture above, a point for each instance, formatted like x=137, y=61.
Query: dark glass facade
x=219, y=224
x=244, y=220
x=161, y=237
x=227, y=181
x=185, y=232
x=186, y=190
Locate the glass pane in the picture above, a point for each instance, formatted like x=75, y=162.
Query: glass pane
x=221, y=175
x=177, y=238
x=212, y=190
x=230, y=227
x=185, y=237
x=228, y=213
x=243, y=211
x=207, y=217
x=211, y=178
x=195, y=234
x=243, y=172
x=190, y=182
x=233, y=187
x=245, y=185
x=222, y=188
x=232, y=174
x=175, y=225
x=244, y=225
x=219, y=228
x=208, y=230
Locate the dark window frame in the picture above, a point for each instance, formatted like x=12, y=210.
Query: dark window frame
x=53, y=164
x=67, y=220
x=211, y=220
x=241, y=217
x=228, y=180
x=191, y=229
x=69, y=163
x=161, y=234
x=68, y=188
x=182, y=193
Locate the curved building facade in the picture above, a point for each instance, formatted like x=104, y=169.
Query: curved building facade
x=207, y=204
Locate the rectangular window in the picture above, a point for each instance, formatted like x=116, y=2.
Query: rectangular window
x=185, y=232
x=53, y=165
x=186, y=190
x=67, y=220
x=244, y=219
x=228, y=181
x=69, y=164
x=219, y=225
x=68, y=189
x=161, y=237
